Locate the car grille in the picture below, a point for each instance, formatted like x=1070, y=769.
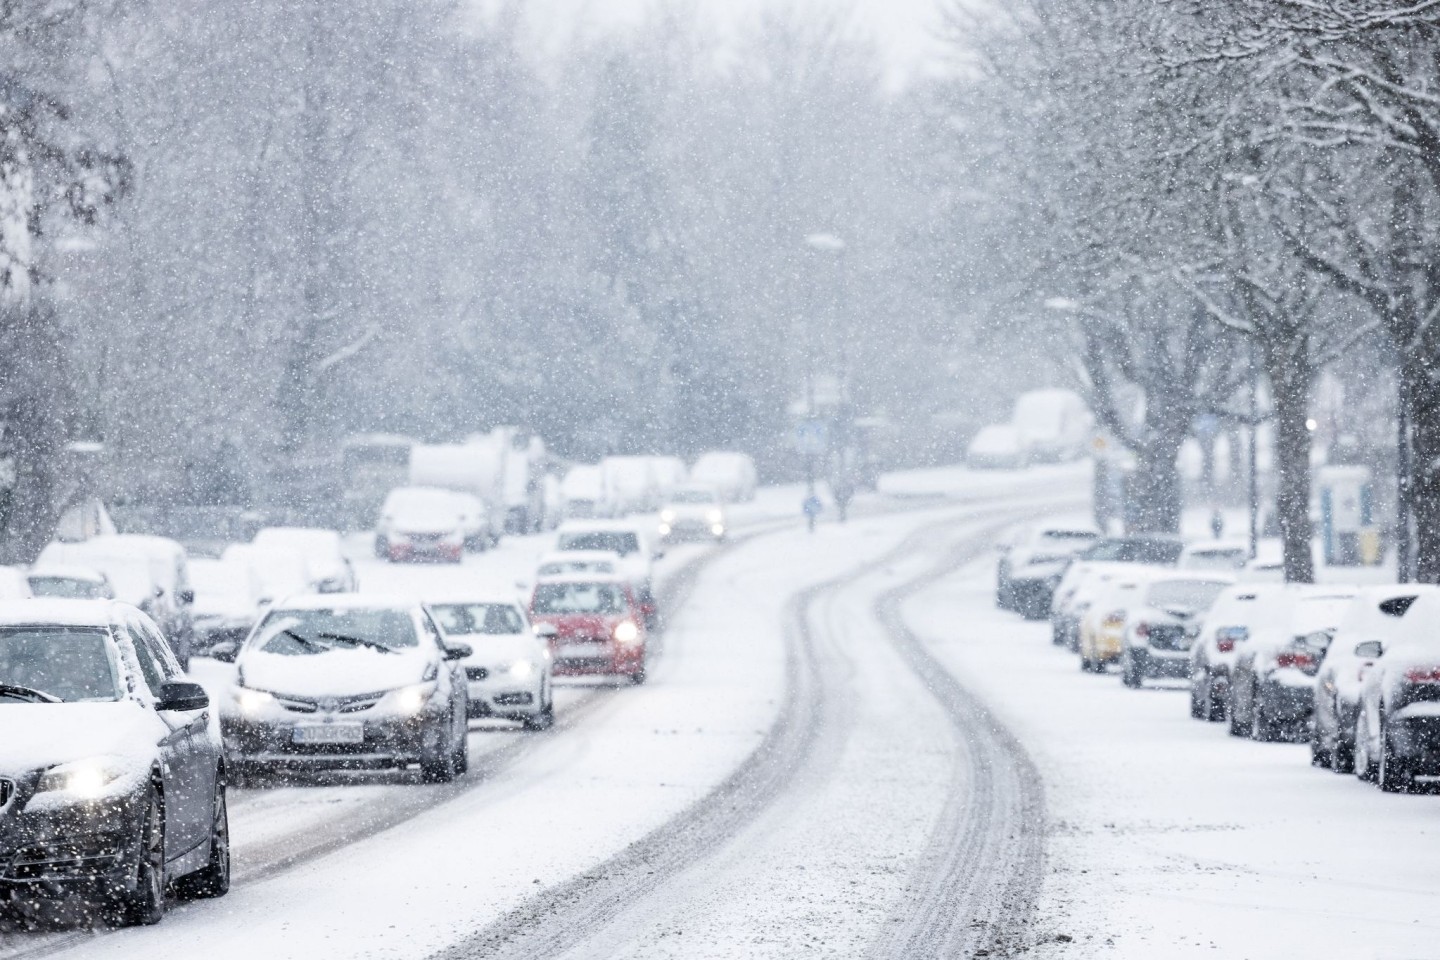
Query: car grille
x=351, y=704
x=476, y=673
x=424, y=537
x=515, y=699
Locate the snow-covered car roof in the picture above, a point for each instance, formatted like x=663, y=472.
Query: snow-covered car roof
x=68, y=571
x=62, y=613
x=1170, y=575
x=347, y=601
x=576, y=556
x=459, y=597
x=584, y=576
x=603, y=526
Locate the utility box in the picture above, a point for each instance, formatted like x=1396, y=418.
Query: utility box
x=1347, y=528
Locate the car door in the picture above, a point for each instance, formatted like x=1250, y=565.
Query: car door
x=451, y=673
x=190, y=777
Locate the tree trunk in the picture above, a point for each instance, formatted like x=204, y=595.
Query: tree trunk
x=1288, y=366
x=1424, y=403
x=33, y=412
x=1152, y=497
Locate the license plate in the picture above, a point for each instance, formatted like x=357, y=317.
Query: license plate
x=330, y=733
x=581, y=651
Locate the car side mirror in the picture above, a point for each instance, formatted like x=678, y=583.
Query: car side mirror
x=187, y=596
x=458, y=651
x=182, y=695
x=546, y=630
x=1370, y=650
x=224, y=652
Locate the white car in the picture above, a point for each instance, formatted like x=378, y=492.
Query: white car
x=694, y=511
x=508, y=672
x=996, y=447
x=348, y=681
x=1220, y=555
x=730, y=472
x=1238, y=611
x=1397, y=724
x=630, y=543
x=1031, y=568
x=229, y=595
x=282, y=573
x=331, y=572
x=71, y=582
x=582, y=493
x=1162, y=625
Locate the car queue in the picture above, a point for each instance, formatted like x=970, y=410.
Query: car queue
x=1354, y=673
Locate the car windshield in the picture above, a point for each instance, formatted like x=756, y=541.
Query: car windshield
x=1188, y=594
x=470, y=619
x=1161, y=552
x=557, y=567
x=693, y=496
x=1067, y=537
x=614, y=541
x=305, y=632
x=606, y=598
x=1218, y=559
x=70, y=663
x=67, y=588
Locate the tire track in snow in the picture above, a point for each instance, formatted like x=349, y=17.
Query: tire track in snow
x=810, y=726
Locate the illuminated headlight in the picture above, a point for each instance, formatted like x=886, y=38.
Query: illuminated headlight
x=664, y=529
x=667, y=516
x=85, y=779
x=626, y=631
x=521, y=670
x=715, y=516
x=411, y=700
x=253, y=702
x=718, y=530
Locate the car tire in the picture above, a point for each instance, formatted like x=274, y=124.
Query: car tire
x=1130, y=673
x=1342, y=756
x=1262, y=728
x=145, y=905
x=213, y=880
x=1366, y=767
x=638, y=677
x=1394, y=775
x=1320, y=755
x=543, y=720
x=1200, y=699
x=461, y=758
x=439, y=766
x=1057, y=636
x=1237, y=726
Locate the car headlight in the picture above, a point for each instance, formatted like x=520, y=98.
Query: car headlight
x=664, y=529
x=412, y=699
x=521, y=670
x=667, y=516
x=86, y=779
x=718, y=530
x=253, y=702
x=714, y=516
x=626, y=631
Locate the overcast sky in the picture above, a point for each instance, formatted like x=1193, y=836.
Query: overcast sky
x=901, y=28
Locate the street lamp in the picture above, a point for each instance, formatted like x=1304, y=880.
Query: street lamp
x=825, y=244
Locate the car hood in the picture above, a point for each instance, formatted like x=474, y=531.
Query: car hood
x=491, y=650
x=34, y=736
x=341, y=672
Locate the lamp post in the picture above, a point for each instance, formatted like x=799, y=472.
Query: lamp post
x=827, y=244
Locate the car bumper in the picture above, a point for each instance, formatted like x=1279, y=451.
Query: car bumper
x=680, y=530
x=1416, y=741
x=600, y=659
x=502, y=698
x=400, y=551
x=1162, y=664
x=1287, y=701
x=386, y=742
x=86, y=849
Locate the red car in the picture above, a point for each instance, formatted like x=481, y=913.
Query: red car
x=597, y=626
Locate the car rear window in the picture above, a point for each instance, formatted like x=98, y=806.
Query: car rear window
x=612, y=541
x=560, y=598
x=72, y=663
x=1188, y=594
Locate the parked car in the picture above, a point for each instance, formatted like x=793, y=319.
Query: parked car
x=69, y=582
x=1030, y=569
x=596, y=626
x=1397, y=724
x=1222, y=555
x=281, y=572
x=1161, y=626
x=1102, y=623
x=350, y=681
x=728, y=471
x=996, y=447
x=421, y=523
x=1272, y=681
x=1153, y=550
x=508, y=672
x=151, y=573
x=1237, y=612
x=112, y=779
x=228, y=597
x=631, y=544
x=1053, y=424
x=583, y=493
x=1372, y=618
x=330, y=571
x=693, y=512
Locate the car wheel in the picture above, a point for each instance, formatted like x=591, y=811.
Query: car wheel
x=1320, y=755
x=1365, y=766
x=1342, y=755
x=214, y=879
x=543, y=720
x=437, y=763
x=1130, y=674
x=1199, y=699
x=1262, y=728
x=1394, y=774
x=461, y=756
x=638, y=677
x=145, y=905
x=1238, y=727
x=1057, y=636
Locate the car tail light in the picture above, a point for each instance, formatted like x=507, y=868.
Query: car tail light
x=1227, y=637
x=1422, y=675
x=1142, y=629
x=1299, y=659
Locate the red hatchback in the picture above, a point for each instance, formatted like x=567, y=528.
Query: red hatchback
x=599, y=626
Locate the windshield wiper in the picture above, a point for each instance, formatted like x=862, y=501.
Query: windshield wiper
x=306, y=640
x=357, y=641
x=16, y=692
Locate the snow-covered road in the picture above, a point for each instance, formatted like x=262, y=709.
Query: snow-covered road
x=844, y=751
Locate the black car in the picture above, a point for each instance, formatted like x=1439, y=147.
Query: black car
x=98, y=799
